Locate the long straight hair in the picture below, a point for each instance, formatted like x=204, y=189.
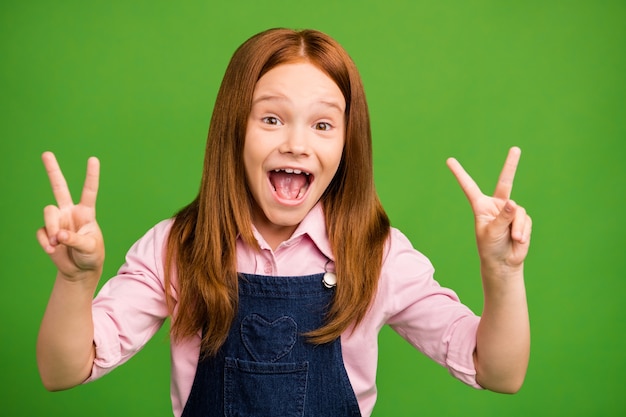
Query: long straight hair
x=201, y=248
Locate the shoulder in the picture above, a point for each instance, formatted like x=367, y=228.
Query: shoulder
x=159, y=231
x=149, y=250
x=406, y=274
x=400, y=254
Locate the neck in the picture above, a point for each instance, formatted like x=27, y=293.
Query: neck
x=273, y=234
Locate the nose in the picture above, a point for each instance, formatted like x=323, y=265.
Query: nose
x=295, y=141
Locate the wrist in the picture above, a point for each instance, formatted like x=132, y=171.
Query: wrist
x=501, y=268
x=87, y=280
x=501, y=277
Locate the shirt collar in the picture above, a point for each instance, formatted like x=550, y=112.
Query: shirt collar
x=313, y=225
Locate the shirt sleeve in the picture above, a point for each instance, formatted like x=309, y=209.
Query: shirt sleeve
x=427, y=315
x=131, y=307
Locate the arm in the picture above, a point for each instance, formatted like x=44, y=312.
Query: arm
x=73, y=240
x=503, y=236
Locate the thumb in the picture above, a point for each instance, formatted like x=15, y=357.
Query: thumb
x=83, y=243
x=502, y=223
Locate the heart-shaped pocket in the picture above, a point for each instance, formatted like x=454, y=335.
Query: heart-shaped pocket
x=268, y=341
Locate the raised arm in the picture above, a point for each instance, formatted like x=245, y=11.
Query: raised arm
x=73, y=240
x=503, y=236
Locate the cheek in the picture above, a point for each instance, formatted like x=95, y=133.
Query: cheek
x=256, y=148
x=337, y=159
x=251, y=156
x=334, y=156
x=246, y=162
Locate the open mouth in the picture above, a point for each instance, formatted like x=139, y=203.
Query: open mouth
x=290, y=184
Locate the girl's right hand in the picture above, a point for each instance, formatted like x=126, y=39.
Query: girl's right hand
x=71, y=236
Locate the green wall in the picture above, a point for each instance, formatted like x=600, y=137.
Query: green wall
x=134, y=82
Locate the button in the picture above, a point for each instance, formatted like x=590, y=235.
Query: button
x=268, y=268
x=330, y=280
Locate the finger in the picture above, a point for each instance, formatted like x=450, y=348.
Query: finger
x=523, y=234
x=507, y=175
x=51, y=218
x=57, y=180
x=528, y=227
x=518, y=225
x=468, y=185
x=44, y=241
x=90, y=188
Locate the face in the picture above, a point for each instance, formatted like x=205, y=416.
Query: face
x=293, y=145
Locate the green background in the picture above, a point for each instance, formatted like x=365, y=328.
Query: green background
x=134, y=82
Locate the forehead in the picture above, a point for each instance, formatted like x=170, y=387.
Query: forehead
x=300, y=81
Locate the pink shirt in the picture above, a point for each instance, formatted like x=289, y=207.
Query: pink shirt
x=131, y=307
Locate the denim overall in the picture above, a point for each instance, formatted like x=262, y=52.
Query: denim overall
x=266, y=366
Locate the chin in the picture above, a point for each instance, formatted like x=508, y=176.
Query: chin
x=289, y=219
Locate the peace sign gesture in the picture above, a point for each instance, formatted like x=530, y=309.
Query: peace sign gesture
x=502, y=227
x=71, y=235
x=503, y=236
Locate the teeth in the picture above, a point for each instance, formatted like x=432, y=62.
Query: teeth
x=292, y=171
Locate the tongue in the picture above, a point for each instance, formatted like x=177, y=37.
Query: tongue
x=287, y=186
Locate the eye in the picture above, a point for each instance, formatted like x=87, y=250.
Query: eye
x=322, y=126
x=271, y=120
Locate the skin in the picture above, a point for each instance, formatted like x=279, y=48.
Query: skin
x=296, y=122
x=503, y=236
x=73, y=240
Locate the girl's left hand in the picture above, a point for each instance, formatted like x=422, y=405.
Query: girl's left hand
x=502, y=227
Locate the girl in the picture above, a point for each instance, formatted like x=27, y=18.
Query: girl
x=280, y=274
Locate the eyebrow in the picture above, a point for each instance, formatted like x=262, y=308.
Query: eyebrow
x=278, y=97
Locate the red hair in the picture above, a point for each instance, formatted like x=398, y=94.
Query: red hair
x=202, y=242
